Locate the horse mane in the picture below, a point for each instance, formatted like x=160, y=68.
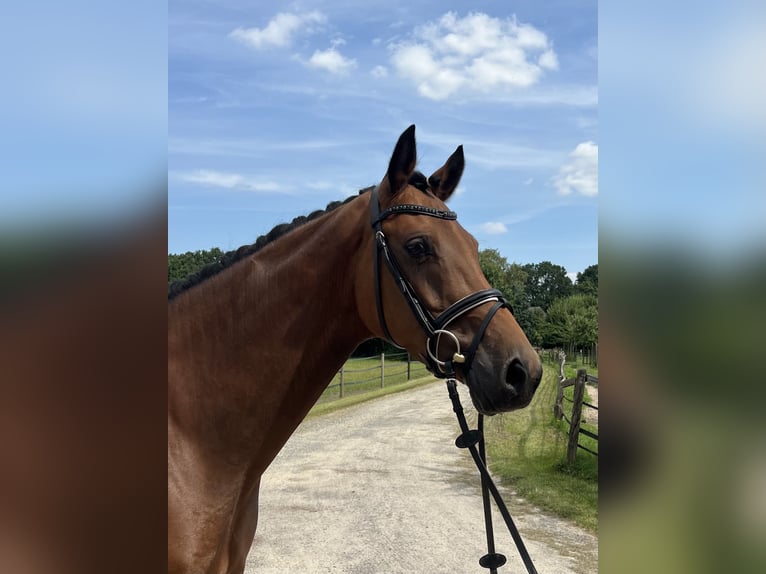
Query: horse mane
x=229, y=258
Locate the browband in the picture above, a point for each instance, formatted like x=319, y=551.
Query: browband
x=433, y=327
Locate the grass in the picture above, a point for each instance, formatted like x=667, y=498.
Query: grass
x=329, y=406
x=527, y=450
x=570, y=369
x=361, y=382
x=361, y=376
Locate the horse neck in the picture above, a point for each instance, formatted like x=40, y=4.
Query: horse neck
x=306, y=284
x=253, y=347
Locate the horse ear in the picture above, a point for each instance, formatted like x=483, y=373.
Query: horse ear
x=403, y=160
x=445, y=179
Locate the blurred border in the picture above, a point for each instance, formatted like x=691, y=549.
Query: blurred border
x=683, y=286
x=83, y=279
x=83, y=267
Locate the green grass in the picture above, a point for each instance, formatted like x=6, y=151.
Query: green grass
x=527, y=450
x=329, y=406
x=362, y=376
x=570, y=369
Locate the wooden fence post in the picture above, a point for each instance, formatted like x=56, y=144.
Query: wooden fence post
x=574, y=427
x=562, y=360
x=558, y=408
x=341, y=381
x=382, y=369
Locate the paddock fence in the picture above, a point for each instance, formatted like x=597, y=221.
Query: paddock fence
x=583, y=355
x=362, y=374
x=577, y=401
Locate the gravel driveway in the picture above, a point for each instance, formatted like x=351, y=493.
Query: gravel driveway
x=381, y=488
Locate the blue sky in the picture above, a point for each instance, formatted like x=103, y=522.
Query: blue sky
x=275, y=109
x=83, y=110
x=682, y=115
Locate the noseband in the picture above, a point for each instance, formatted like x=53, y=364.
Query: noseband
x=434, y=328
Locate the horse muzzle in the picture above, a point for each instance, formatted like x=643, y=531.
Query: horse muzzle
x=503, y=386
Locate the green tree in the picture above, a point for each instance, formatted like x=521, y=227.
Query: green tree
x=545, y=283
x=184, y=264
x=506, y=277
x=572, y=321
x=532, y=322
x=517, y=278
x=587, y=281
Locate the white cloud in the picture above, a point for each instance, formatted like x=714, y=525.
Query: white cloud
x=379, y=72
x=580, y=174
x=279, y=31
x=477, y=54
x=493, y=228
x=332, y=61
x=208, y=178
x=549, y=60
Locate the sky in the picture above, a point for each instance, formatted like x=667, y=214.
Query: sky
x=682, y=124
x=83, y=110
x=276, y=109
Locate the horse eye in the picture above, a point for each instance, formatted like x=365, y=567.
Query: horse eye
x=417, y=248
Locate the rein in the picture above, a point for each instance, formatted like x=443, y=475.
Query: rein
x=470, y=439
x=435, y=328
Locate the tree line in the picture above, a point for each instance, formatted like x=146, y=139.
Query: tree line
x=552, y=310
x=184, y=264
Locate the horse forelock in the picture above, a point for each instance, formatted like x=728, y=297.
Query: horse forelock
x=419, y=181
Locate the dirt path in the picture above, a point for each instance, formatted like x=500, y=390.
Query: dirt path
x=380, y=488
x=591, y=415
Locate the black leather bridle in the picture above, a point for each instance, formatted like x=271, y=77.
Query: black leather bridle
x=434, y=328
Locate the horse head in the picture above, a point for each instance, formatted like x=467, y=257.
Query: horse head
x=430, y=295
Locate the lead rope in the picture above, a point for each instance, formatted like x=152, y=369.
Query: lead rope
x=470, y=439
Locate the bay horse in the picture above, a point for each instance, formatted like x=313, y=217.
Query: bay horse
x=253, y=342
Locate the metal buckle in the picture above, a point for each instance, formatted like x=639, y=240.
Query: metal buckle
x=457, y=356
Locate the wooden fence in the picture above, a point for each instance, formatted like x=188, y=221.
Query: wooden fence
x=585, y=356
x=575, y=429
x=392, y=366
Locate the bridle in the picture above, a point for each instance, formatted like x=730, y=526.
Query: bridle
x=434, y=328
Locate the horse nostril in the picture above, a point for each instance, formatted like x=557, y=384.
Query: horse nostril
x=516, y=375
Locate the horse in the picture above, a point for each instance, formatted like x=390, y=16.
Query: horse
x=254, y=340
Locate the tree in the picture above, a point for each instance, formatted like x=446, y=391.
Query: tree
x=517, y=278
x=587, y=281
x=532, y=322
x=180, y=266
x=508, y=278
x=572, y=321
x=545, y=283
x=494, y=266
